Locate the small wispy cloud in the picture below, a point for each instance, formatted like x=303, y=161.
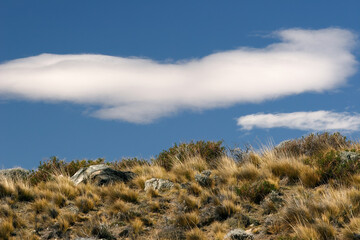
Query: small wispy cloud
x=314, y=121
x=142, y=90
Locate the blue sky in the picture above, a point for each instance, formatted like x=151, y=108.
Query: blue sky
x=130, y=78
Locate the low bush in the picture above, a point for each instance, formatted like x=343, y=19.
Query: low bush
x=331, y=166
x=256, y=191
x=208, y=150
x=313, y=144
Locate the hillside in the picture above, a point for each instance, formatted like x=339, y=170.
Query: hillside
x=306, y=188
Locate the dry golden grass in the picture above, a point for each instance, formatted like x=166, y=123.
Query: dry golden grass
x=309, y=207
x=85, y=204
x=40, y=205
x=352, y=229
x=195, y=234
x=306, y=232
x=248, y=171
x=137, y=226
x=119, y=206
x=6, y=228
x=188, y=220
x=195, y=189
x=191, y=203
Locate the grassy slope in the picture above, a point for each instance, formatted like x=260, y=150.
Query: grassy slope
x=297, y=191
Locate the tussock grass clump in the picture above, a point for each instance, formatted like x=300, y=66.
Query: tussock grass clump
x=7, y=187
x=119, y=207
x=195, y=234
x=225, y=210
x=6, y=228
x=65, y=220
x=119, y=191
x=187, y=220
x=248, y=171
x=137, y=226
x=190, y=203
x=40, y=205
x=85, y=204
x=306, y=232
x=255, y=192
x=352, y=230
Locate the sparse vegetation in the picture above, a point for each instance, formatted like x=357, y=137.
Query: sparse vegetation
x=302, y=189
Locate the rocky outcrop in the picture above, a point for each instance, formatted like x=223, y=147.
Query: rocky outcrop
x=101, y=174
x=14, y=172
x=158, y=184
x=238, y=234
x=204, y=178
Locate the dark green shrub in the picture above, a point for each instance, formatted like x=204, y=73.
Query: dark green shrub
x=255, y=192
x=208, y=150
x=332, y=166
x=54, y=165
x=314, y=144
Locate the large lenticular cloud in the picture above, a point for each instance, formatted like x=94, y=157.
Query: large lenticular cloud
x=141, y=90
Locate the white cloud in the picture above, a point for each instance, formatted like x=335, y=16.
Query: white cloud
x=141, y=90
x=315, y=121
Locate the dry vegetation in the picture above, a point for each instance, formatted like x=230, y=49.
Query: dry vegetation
x=301, y=189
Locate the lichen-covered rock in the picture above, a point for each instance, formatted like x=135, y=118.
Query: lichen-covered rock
x=15, y=172
x=158, y=184
x=272, y=202
x=100, y=174
x=204, y=178
x=238, y=234
x=346, y=156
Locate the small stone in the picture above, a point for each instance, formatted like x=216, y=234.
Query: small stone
x=238, y=234
x=158, y=184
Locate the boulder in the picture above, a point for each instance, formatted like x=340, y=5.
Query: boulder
x=204, y=178
x=238, y=234
x=158, y=184
x=101, y=174
x=15, y=172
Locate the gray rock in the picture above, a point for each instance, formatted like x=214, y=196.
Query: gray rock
x=158, y=184
x=238, y=234
x=204, y=178
x=100, y=174
x=15, y=172
x=346, y=156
